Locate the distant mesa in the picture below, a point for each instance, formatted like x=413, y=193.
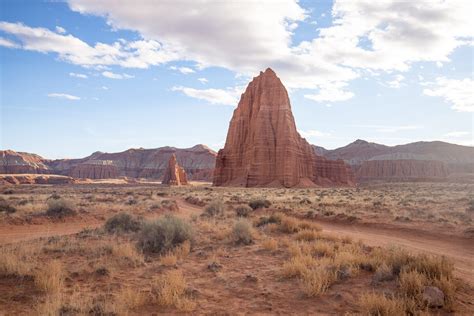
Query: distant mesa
x=264, y=149
x=417, y=161
x=197, y=161
x=174, y=174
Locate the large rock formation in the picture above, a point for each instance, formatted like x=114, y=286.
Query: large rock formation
x=174, y=174
x=263, y=147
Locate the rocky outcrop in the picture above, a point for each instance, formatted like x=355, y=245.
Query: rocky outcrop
x=263, y=147
x=98, y=169
x=34, y=179
x=174, y=174
x=403, y=169
x=19, y=162
x=197, y=161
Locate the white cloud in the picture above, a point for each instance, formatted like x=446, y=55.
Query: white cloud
x=457, y=134
x=7, y=43
x=64, y=96
x=203, y=80
x=112, y=75
x=137, y=54
x=82, y=76
x=104, y=88
x=364, y=34
x=214, y=96
x=60, y=30
x=333, y=93
x=313, y=133
x=457, y=92
x=185, y=70
x=396, y=82
x=390, y=128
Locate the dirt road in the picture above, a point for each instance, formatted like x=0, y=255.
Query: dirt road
x=460, y=250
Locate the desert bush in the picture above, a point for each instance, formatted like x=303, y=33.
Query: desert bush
x=433, y=267
x=122, y=223
x=243, y=211
x=215, y=208
x=298, y=265
x=289, y=225
x=195, y=201
x=317, y=281
x=242, y=232
x=270, y=244
x=470, y=206
x=374, y=304
x=127, y=252
x=272, y=219
x=5, y=207
x=50, y=278
x=164, y=234
x=259, y=203
x=60, y=208
x=411, y=284
x=307, y=235
x=170, y=290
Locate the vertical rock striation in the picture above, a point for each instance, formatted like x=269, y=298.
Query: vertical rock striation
x=263, y=147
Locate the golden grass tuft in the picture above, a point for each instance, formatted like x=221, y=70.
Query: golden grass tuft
x=317, y=281
x=170, y=290
x=50, y=278
x=270, y=244
x=379, y=305
x=411, y=284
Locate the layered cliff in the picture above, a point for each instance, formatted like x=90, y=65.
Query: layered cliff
x=197, y=161
x=263, y=147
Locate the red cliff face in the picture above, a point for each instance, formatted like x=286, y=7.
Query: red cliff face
x=403, y=169
x=263, y=147
x=19, y=162
x=95, y=170
x=174, y=174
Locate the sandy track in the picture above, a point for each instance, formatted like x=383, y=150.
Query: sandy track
x=460, y=250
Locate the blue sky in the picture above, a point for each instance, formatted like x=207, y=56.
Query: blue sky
x=86, y=75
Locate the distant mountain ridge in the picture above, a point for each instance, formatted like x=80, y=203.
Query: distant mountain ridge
x=198, y=161
x=421, y=160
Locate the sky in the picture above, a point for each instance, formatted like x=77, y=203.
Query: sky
x=81, y=76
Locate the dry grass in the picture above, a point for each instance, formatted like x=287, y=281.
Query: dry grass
x=170, y=290
x=317, y=281
x=128, y=252
x=378, y=305
x=411, y=284
x=129, y=298
x=270, y=244
x=50, y=278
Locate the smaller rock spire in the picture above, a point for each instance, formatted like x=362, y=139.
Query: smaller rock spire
x=174, y=174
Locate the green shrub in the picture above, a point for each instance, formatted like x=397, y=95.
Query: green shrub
x=122, y=223
x=164, y=234
x=242, y=232
x=243, y=211
x=60, y=208
x=259, y=203
x=215, y=208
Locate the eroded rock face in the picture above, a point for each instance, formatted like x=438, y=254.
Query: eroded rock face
x=174, y=174
x=34, y=179
x=18, y=162
x=403, y=169
x=97, y=170
x=263, y=147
